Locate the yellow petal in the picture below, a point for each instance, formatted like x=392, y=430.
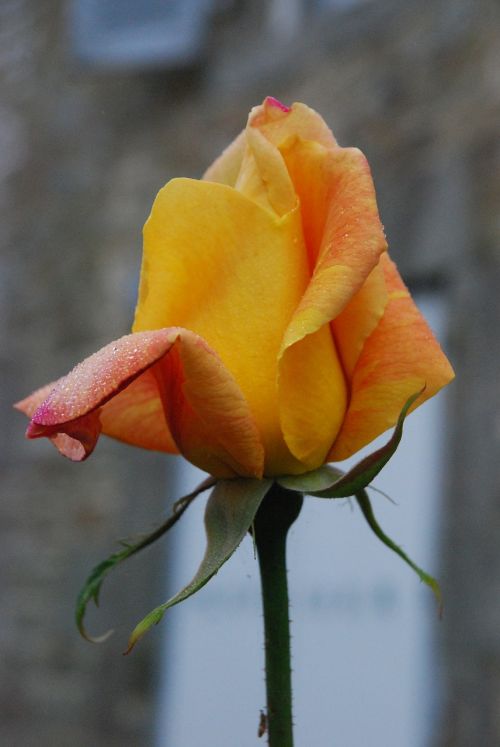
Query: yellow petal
x=264, y=177
x=312, y=397
x=398, y=358
x=217, y=263
x=226, y=167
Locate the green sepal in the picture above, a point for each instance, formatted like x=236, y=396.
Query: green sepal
x=92, y=585
x=230, y=512
x=426, y=578
x=329, y=482
x=313, y=482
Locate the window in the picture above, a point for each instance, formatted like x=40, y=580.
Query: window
x=131, y=34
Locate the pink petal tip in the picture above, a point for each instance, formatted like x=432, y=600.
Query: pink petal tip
x=271, y=101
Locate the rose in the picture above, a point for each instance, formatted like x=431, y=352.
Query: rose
x=272, y=331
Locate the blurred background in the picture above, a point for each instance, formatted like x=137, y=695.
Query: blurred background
x=101, y=102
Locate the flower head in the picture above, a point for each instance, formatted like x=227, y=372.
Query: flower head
x=272, y=332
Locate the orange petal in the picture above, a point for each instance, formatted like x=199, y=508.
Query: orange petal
x=359, y=318
x=344, y=208
x=199, y=397
x=207, y=413
x=345, y=240
x=136, y=416
x=398, y=358
x=278, y=123
x=310, y=167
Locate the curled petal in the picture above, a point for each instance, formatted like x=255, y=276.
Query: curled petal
x=77, y=442
x=352, y=238
x=97, y=379
x=203, y=412
x=399, y=357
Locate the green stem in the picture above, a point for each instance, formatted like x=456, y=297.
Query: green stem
x=276, y=514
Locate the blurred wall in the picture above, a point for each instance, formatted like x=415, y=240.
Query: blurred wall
x=82, y=153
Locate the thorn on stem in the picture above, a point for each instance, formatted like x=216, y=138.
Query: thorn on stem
x=262, y=724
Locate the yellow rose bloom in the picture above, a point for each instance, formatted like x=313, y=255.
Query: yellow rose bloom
x=272, y=332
